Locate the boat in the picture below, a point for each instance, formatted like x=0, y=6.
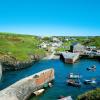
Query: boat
x=89, y=82
x=75, y=83
x=65, y=98
x=38, y=92
x=74, y=76
x=50, y=84
x=92, y=68
x=46, y=85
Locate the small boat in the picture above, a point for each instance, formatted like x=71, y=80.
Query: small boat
x=92, y=68
x=38, y=92
x=72, y=75
x=46, y=85
x=89, y=82
x=65, y=98
x=75, y=83
x=50, y=84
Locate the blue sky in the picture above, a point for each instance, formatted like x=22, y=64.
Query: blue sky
x=50, y=17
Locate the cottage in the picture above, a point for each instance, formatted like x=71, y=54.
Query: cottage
x=43, y=45
x=91, y=47
x=92, y=53
x=77, y=48
x=69, y=57
x=55, y=39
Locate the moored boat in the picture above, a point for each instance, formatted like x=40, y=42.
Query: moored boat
x=46, y=85
x=75, y=83
x=89, y=82
x=74, y=76
x=50, y=84
x=92, y=68
x=38, y=92
x=65, y=98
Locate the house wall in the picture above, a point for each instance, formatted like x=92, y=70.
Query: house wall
x=78, y=48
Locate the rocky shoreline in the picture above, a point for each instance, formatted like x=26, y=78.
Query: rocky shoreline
x=10, y=63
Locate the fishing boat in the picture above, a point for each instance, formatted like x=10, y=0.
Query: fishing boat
x=75, y=83
x=65, y=98
x=74, y=76
x=89, y=82
x=92, y=68
x=38, y=92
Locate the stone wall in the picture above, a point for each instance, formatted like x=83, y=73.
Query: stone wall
x=0, y=71
x=23, y=88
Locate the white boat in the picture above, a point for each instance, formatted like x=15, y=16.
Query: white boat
x=38, y=92
x=66, y=98
x=90, y=82
x=72, y=75
x=92, y=68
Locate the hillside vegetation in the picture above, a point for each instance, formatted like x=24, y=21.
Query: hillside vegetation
x=21, y=47
x=91, y=95
x=93, y=41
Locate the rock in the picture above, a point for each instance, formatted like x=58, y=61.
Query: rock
x=11, y=63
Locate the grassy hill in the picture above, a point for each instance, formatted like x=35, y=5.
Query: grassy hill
x=93, y=41
x=21, y=47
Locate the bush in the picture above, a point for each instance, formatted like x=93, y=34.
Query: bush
x=90, y=95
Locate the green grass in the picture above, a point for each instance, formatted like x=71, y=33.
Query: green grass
x=93, y=41
x=19, y=46
x=90, y=95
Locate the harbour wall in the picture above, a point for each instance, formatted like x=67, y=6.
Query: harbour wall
x=25, y=87
x=0, y=71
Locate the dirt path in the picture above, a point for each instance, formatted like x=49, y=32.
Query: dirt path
x=52, y=55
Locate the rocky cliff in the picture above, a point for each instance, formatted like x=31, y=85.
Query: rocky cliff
x=10, y=63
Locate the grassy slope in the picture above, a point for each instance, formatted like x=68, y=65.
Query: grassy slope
x=90, y=95
x=93, y=41
x=19, y=46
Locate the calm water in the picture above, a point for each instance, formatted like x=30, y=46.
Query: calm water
x=61, y=71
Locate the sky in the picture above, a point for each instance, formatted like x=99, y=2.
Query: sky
x=50, y=17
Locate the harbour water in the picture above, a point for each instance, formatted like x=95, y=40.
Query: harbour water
x=61, y=71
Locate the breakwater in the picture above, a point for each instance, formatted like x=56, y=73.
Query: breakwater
x=0, y=71
x=23, y=88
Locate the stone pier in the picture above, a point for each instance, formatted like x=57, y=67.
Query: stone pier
x=24, y=87
x=0, y=71
x=69, y=57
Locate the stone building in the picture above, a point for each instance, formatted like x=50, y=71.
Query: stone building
x=77, y=48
